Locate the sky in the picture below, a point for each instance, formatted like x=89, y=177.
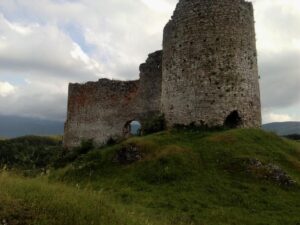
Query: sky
x=45, y=44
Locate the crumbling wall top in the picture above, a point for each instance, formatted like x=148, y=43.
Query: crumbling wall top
x=153, y=63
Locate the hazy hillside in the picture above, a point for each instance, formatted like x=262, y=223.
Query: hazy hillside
x=13, y=126
x=283, y=128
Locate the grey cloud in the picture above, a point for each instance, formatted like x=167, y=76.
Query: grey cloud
x=277, y=24
x=52, y=70
x=37, y=103
x=283, y=23
x=123, y=33
x=280, y=79
x=120, y=37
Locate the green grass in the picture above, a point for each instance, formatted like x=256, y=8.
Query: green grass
x=184, y=177
x=36, y=202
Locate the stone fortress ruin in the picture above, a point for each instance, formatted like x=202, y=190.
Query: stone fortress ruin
x=206, y=74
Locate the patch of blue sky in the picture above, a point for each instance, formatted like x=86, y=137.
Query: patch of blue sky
x=104, y=57
x=294, y=111
x=20, y=15
x=76, y=33
x=64, y=1
x=13, y=79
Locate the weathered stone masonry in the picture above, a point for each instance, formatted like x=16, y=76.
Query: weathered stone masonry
x=100, y=110
x=206, y=73
x=210, y=64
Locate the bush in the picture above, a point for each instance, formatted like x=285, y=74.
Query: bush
x=295, y=137
x=85, y=146
x=195, y=127
x=69, y=156
x=29, y=152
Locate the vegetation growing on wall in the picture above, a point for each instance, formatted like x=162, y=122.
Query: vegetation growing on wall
x=154, y=124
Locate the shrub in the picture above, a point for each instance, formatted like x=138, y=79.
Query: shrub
x=154, y=124
x=85, y=146
x=70, y=155
x=195, y=127
x=295, y=137
x=29, y=152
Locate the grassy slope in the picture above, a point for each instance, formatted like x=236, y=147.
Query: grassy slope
x=36, y=202
x=183, y=179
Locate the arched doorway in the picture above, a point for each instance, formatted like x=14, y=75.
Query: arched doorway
x=132, y=128
x=135, y=128
x=233, y=120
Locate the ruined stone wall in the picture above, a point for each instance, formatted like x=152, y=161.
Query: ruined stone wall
x=210, y=64
x=150, y=82
x=100, y=110
x=206, y=72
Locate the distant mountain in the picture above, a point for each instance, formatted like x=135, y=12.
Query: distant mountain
x=283, y=128
x=14, y=126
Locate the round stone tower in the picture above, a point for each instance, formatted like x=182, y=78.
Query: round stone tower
x=210, y=74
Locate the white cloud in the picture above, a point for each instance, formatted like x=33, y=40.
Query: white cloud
x=19, y=28
x=278, y=39
x=36, y=98
x=122, y=32
x=37, y=44
x=38, y=41
x=281, y=32
x=90, y=64
x=47, y=50
x=6, y=89
x=273, y=117
x=159, y=5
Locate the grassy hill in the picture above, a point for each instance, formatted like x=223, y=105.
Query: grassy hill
x=245, y=176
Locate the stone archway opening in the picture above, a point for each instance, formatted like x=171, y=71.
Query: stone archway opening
x=132, y=128
x=233, y=120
